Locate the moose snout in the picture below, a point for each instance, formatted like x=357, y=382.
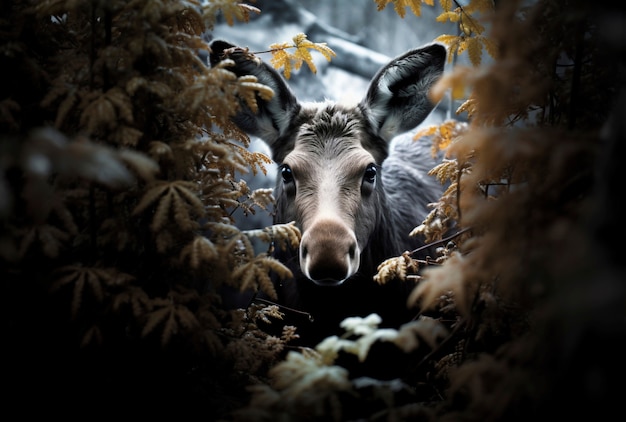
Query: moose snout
x=329, y=253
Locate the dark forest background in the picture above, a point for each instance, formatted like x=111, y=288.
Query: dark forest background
x=129, y=205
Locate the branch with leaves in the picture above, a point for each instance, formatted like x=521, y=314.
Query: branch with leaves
x=282, y=58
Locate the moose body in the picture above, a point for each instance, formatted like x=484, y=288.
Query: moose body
x=354, y=194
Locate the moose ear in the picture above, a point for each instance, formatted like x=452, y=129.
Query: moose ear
x=272, y=117
x=397, y=98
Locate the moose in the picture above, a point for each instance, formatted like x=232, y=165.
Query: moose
x=354, y=194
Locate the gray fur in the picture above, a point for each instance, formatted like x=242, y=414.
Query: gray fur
x=329, y=151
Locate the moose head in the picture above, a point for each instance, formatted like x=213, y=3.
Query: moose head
x=354, y=196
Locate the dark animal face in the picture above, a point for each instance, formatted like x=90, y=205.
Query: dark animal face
x=330, y=155
x=328, y=184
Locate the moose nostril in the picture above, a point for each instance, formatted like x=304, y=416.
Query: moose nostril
x=352, y=251
x=328, y=275
x=305, y=251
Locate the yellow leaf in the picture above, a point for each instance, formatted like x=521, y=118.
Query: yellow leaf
x=469, y=106
x=479, y=6
x=427, y=131
x=248, y=87
x=470, y=25
x=449, y=16
x=281, y=58
x=415, y=6
x=303, y=55
x=446, y=5
x=326, y=51
x=400, y=6
x=462, y=45
x=474, y=50
x=231, y=9
x=457, y=81
x=490, y=46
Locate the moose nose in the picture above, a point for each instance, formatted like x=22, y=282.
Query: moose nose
x=329, y=253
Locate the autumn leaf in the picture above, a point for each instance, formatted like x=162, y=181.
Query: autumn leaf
x=400, y=6
x=231, y=9
x=198, y=251
x=255, y=274
x=178, y=198
x=281, y=58
x=170, y=319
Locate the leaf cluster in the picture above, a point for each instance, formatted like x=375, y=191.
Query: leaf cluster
x=119, y=176
x=281, y=58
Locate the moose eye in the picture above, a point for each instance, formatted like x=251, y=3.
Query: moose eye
x=370, y=174
x=285, y=172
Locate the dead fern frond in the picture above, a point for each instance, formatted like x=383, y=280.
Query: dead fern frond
x=105, y=110
x=284, y=235
x=87, y=282
x=50, y=239
x=396, y=267
x=299, y=375
x=439, y=281
x=172, y=318
x=200, y=250
x=262, y=197
x=248, y=87
x=135, y=297
x=178, y=198
x=255, y=160
x=139, y=164
x=474, y=45
x=264, y=313
x=442, y=135
x=92, y=337
x=255, y=274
